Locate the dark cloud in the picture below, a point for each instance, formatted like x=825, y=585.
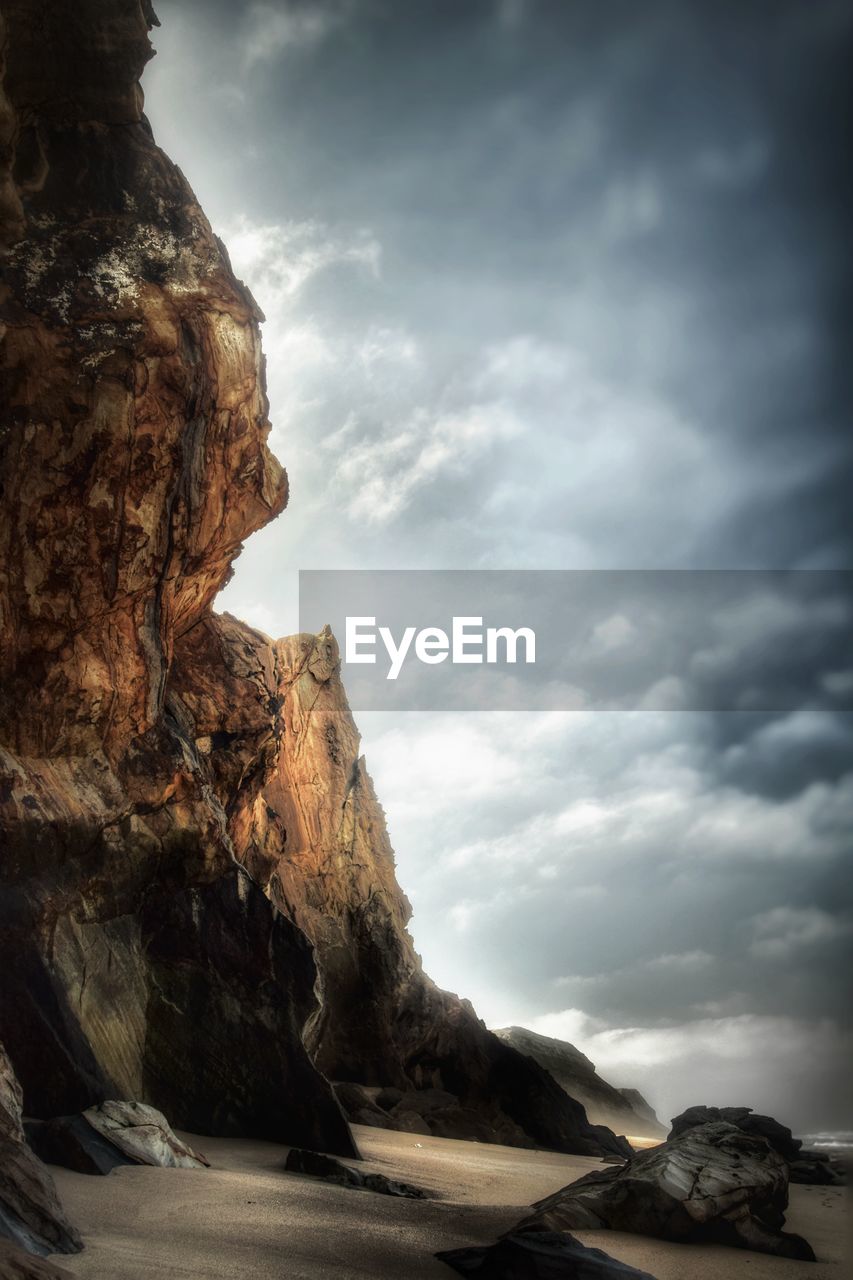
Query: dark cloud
x=559, y=285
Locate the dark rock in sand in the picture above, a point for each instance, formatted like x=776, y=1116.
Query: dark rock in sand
x=539, y=1255
x=816, y=1169
x=777, y=1135
x=16, y=1264
x=317, y=1165
x=72, y=1143
x=812, y=1168
x=30, y=1213
x=714, y=1184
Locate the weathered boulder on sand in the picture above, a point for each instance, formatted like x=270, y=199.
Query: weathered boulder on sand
x=813, y=1168
x=777, y=1135
x=112, y=1134
x=539, y=1255
x=713, y=1184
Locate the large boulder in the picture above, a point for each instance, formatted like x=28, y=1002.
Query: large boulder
x=110, y=1135
x=72, y=1143
x=31, y=1216
x=813, y=1168
x=713, y=1184
x=777, y=1135
x=539, y=1255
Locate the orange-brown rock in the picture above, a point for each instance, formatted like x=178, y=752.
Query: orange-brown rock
x=134, y=455
x=196, y=884
x=306, y=822
x=140, y=961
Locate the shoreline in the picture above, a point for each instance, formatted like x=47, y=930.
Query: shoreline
x=245, y=1219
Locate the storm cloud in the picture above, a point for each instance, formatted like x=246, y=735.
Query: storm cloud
x=565, y=286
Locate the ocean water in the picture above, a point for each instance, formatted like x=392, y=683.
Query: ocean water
x=838, y=1144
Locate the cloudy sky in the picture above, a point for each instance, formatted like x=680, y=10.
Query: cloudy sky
x=559, y=285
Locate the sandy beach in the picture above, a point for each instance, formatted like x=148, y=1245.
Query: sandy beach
x=245, y=1219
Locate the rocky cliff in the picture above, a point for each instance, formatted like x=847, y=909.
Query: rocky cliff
x=140, y=960
x=314, y=835
x=626, y=1110
x=198, y=905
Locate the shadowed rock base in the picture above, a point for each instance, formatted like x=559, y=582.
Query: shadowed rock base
x=316, y=1165
x=15, y=1264
x=113, y=1134
x=139, y=959
x=539, y=1255
x=31, y=1216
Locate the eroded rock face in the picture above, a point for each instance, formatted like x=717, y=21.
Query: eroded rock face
x=144, y=1134
x=185, y=816
x=314, y=834
x=712, y=1184
x=110, y=1135
x=624, y=1110
x=139, y=960
x=31, y=1216
x=777, y=1135
x=813, y=1168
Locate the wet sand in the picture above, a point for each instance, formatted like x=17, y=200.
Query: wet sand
x=245, y=1219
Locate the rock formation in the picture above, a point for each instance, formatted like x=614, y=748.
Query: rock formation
x=315, y=1165
x=314, y=835
x=110, y=1135
x=624, y=1110
x=712, y=1184
x=139, y=959
x=539, y=1255
x=198, y=903
x=31, y=1216
x=811, y=1167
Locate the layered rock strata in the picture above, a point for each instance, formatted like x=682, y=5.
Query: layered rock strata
x=713, y=1184
x=140, y=959
x=198, y=903
x=314, y=835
